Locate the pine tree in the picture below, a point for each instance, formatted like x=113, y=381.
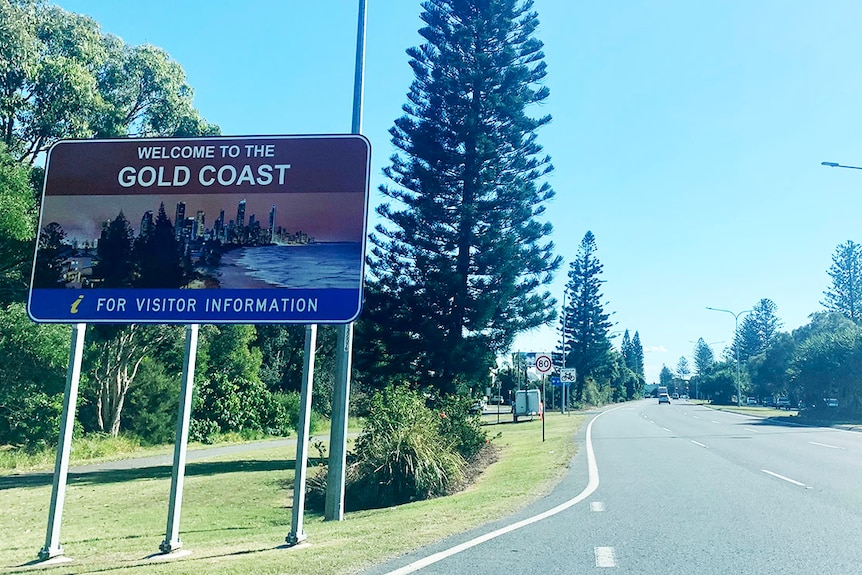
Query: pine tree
x=682, y=368
x=626, y=350
x=704, y=357
x=638, y=356
x=462, y=253
x=845, y=294
x=757, y=330
x=584, y=320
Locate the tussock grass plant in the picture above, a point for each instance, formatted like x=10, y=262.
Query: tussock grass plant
x=401, y=455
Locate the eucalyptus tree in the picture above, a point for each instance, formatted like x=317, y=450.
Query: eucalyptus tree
x=462, y=254
x=17, y=226
x=62, y=77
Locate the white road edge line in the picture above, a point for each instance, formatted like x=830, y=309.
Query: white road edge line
x=666, y=429
x=825, y=445
x=793, y=481
x=605, y=557
x=698, y=443
x=592, y=485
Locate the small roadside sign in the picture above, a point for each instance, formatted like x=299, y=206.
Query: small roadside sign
x=543, y=363
x=568, y=375
x=555, y=381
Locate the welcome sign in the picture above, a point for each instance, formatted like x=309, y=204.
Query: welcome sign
x=260, y=229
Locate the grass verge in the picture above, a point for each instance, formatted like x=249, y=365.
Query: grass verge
x=236, y=512
x=98, y=448
x=755, y=411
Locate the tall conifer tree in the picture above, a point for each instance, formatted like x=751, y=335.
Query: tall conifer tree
x=584, y=320
x=638, y=356
x=845, y=293
x=463, y=255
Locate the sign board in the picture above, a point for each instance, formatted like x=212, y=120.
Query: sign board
x=543, y=363
x=568, y=375
x=262, y=229
x=555, y=380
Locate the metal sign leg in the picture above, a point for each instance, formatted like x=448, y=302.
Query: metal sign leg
x=297, y=534
x=52, y=546
x=172, y=533
x=334, y=506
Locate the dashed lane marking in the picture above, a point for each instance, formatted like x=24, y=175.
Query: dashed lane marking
x=605, y=557
x=825, y=445
x=597, y=506
x=783, y=478
x=698, y=443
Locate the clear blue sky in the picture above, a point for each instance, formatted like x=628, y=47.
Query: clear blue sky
x=686, y=135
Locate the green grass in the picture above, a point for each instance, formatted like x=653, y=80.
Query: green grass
x=97, y=448
x=754, y=410
x=236, y=512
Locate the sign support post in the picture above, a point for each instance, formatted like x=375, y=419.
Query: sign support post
x=335, y=478
x=542, y=407
x=52, y=546
x=334, y=505
x=297, y=534
x=172, y=532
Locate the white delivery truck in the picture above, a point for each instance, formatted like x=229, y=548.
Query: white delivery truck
x=527, y=402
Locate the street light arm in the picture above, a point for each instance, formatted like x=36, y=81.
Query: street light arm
x=735, y=333
x=837, y=165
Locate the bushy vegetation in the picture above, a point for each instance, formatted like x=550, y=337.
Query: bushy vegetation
x=225, y=404
x=407, y=451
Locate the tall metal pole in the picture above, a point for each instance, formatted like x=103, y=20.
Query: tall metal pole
x=172, y=530
x=52, y=546
x=735, y=347
x=297, y=534
x=566, y=383
x=334, y=505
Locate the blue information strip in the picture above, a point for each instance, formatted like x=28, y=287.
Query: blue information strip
x=184, y=306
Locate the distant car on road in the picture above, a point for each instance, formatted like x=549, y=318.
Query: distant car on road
x=769, y=401
x=676, y=396
x=782, y=402
x=496, y=400
x=751, y=401
x=663, y=398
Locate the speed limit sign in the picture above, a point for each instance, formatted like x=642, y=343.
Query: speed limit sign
x=543, y=363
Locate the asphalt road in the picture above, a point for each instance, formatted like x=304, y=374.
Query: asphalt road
x=680, y=489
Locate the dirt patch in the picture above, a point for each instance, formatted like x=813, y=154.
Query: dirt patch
x=490, y=453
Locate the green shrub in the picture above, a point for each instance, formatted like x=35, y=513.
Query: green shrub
x=401, y=455
x=287, y=406
x=223, y=404
x=459, y=425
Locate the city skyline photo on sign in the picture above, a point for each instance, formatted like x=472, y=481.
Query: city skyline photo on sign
x=204, y=230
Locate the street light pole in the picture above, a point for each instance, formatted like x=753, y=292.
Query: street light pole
x=735, y=347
